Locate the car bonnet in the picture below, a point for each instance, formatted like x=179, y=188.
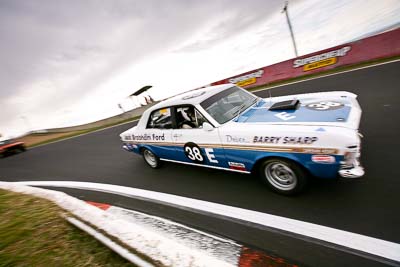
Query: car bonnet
x=333, y=111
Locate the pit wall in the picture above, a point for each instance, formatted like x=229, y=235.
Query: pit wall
x=384, y=45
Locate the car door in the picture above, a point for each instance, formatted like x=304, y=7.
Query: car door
x=193, y=144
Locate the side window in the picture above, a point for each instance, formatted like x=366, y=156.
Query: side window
x=160, y=119
x=187, y=117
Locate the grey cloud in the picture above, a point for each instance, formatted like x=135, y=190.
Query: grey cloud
x=242, y=15
x=42, y=38
x=90, y=40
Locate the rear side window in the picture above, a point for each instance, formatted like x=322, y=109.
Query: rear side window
x=160, y=119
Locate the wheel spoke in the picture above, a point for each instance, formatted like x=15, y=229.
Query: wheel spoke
x=280, y=176
x=150, y=158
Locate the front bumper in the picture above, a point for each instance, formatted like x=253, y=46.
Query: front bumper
x=130, y=147
x=351, y=167
x=355, y=172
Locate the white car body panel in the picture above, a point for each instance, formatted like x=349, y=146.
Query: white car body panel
x=323, y=124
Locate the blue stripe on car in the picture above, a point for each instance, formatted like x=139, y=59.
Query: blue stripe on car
x=248, y=157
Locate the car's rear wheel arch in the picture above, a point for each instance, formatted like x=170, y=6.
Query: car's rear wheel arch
x=143, y=147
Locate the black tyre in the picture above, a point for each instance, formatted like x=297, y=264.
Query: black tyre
x=283, y=176
x=22, y=148
x=151, y=159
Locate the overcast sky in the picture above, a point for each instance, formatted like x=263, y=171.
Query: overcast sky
x=71, y=62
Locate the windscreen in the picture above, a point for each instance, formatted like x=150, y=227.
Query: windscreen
x=228, y=104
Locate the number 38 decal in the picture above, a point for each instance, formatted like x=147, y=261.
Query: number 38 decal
x=194, y=153
x=325, y=105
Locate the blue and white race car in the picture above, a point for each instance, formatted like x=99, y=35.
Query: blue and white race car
x=285, y=140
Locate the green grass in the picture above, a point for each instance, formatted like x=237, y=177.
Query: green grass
x=50, y=140
x=58, y=138
x=33, y=233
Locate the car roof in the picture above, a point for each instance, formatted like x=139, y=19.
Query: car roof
x=192, y=97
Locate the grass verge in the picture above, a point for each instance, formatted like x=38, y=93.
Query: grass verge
x=33, y=233
x=33, y=140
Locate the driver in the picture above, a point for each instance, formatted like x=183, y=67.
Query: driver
x=190, y=119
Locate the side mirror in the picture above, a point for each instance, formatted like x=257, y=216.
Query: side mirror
x=207, y=127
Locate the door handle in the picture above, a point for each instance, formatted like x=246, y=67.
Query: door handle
x=177, y=135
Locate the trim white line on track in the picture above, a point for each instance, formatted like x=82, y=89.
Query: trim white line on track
x=370, y=245
x=323, y=76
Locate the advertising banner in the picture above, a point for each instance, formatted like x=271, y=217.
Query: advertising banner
x=383, y=45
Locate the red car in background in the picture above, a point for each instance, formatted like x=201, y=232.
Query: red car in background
x=11, y=146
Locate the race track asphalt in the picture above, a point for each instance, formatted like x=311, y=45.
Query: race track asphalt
x=368, y=206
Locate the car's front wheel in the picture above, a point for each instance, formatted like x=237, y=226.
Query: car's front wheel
x=283, y=176
x=151, y=159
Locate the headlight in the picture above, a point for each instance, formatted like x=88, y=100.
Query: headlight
x=351, y=157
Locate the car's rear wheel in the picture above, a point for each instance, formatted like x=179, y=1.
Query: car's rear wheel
x=151, y=159
x=283, y=176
